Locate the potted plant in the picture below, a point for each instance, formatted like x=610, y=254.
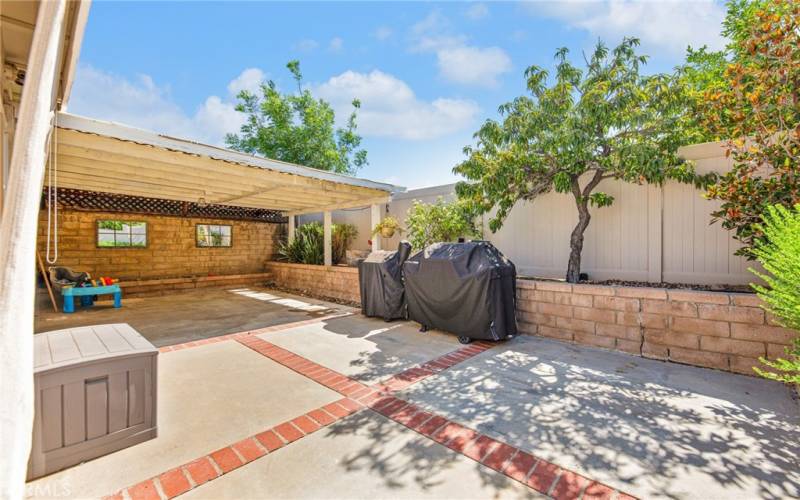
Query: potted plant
x=387, y=227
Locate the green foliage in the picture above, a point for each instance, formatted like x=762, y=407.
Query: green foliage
x=121, y=244
x=429, y=223
x=702, y=70
x=115, y=225
x=779, y=253
x=342, y=236
x=308, y=244
x=388, y=222
x=755, y=106
x=297, y=128
x=306, y=247
x=605, y=121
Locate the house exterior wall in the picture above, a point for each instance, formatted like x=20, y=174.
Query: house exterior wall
x=171, y=250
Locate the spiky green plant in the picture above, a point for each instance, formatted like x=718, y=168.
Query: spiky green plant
x=779, y=253
x=307, y=246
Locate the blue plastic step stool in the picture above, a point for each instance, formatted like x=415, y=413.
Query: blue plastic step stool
x=86, y=293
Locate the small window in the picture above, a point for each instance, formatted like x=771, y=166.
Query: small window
x=121, y=234
x=212, y=235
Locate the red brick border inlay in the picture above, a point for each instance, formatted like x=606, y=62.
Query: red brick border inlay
x=519, y=465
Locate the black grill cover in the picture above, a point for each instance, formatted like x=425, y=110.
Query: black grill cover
x=381, y=282
x=465, y=288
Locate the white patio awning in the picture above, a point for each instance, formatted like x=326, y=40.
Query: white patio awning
x=95, y=155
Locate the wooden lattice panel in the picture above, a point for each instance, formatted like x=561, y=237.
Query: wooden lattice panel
x=77, y=199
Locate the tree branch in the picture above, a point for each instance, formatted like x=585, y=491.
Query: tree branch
x=598, y=176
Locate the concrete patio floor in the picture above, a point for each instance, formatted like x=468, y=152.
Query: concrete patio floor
x=650, y=428
x=191, y=315
x=647, y=428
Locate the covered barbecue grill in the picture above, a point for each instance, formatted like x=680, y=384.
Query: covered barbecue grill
x=464, y=288
x=381, y=282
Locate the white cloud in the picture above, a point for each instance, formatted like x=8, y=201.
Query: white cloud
x=457, y=60
x=306, y=45
x=472, y=65
x=668, y=25
x=389, y=107
x=383, y=33
x=249, y=80
x=143, y=103
x=336, y=44
x=477, y=11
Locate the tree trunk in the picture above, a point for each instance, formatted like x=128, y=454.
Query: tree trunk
x=576, y=239
x=576, y=243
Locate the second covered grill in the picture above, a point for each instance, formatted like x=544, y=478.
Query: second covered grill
x=381, y=283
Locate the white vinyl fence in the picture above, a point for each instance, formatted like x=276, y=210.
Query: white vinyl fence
x=650, y=233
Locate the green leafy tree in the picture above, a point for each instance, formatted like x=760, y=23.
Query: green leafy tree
x=429, y=223
x=779, y=253
x=755, y=107
x=607, y=121
x=297, y=128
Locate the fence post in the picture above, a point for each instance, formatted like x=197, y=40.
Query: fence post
x=655, y=232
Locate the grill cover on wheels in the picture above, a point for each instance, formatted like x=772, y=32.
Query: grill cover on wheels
x=381, y=282
x=465, y=288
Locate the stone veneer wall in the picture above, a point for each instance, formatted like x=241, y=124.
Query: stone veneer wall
x=171, y=250
x=336, y=282
x=727, y=331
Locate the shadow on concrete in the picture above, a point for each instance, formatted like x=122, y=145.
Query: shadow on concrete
x=420, y=459
x=369, y=350
x=649, y=428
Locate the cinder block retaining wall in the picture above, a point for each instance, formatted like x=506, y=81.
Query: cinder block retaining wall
x=727, y=331
x=335, y=282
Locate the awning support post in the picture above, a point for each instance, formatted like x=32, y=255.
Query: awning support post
x=327, y=239
x=375, y=218
x=291, y=228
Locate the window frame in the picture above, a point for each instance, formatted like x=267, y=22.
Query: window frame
x=125, y=221
x=197, y=235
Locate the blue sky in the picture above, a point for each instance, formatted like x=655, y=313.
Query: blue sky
x=427, y=73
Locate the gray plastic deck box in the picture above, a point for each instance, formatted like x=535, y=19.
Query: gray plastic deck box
x=95, y=394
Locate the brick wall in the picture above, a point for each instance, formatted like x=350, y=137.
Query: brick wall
x=337, y=282
x=727, y=331
x=171, y=247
